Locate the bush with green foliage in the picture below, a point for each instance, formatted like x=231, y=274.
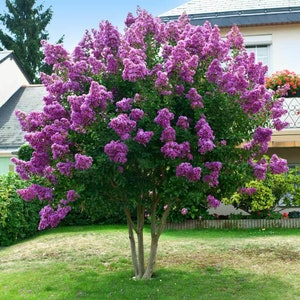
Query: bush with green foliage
x=264, y=196
x=25, y=152
x=18, y=219
x=89, y=211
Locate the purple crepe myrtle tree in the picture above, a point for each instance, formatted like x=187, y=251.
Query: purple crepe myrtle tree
x=150, y=119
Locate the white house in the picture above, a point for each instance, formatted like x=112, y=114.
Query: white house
x=16, y=92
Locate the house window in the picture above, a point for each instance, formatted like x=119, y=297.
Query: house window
x=260, y=45
x=261, y=53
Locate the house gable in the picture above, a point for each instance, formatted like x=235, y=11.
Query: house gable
x=12, y=76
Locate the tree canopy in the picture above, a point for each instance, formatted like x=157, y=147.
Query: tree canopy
x=149, y=119
x=24, y=28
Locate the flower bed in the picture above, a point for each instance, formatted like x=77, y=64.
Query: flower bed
x=236, y=224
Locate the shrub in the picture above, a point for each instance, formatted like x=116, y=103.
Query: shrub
x=266, y=214
x=25, y=152
x=18, y=219
x=294, y=214
x=87, y=211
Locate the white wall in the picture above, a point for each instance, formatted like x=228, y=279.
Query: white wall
x=11, y=79
x=5, y=163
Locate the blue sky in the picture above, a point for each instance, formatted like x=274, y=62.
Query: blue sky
x=71, y=18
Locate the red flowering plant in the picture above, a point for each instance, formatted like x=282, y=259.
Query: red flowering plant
x=284, y=83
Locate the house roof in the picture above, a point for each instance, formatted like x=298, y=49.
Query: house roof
x=240, y=12
x=27, y=99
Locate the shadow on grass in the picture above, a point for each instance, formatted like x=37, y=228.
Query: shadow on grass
x=210, y=284
x=168, y=284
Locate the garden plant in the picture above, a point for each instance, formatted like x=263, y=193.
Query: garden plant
x=147, y=120
x=265, y=196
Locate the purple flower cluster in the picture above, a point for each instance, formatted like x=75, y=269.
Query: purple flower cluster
x=122, y=125
x=259, y=168
x=134, y=65
x=84, y=106
x=212, y=201
x=181, y=61
x=54, y=54
x=277, y=111
x=162, y=83
x=183, y=122
x=50, y=217
x=188, y=171
x=212, y=178
x=168, y=134
x=164, y=117
x=36, y=191
x=247, y=191
x=205, y=136
x=261, y=137
x=279, y=125
x=124, y=104
x=278, y=165
x=65, y=168
x=31, y=122
x=82, y=162
x=136, y=114
x=235, y=38
x=195, y=98
x=174, y=150
x=143, y=137
x=116, y=151
x=72, y=196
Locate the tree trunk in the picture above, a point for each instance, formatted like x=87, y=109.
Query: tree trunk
x=137, y=253
x=152, y=259
x=156, y=231
x=132, y=242
x=140, y=239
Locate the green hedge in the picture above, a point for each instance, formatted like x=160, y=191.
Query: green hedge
x=94, y=211
x=18, y=218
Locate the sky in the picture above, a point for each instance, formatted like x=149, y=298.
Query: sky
x=71, y=18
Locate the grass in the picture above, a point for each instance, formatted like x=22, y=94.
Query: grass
x=94, y=262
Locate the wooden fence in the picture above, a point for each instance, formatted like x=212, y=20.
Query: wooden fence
x=235, y=224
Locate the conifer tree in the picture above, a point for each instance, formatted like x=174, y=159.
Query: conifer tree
x=24, y=26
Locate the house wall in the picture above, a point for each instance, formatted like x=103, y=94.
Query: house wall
x=11, y=79
x=5, y=164
x=284, y=48
x=291, y=154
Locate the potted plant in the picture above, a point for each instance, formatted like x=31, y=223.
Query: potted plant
x=285, y=82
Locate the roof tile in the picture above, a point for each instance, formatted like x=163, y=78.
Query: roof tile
x=27, y=99
x=215, y=6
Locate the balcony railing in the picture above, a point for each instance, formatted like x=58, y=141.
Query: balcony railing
x=292, y=105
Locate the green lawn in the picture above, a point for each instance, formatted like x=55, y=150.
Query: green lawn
x=94, y=263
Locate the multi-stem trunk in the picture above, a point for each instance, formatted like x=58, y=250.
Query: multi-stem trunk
x=137, y=251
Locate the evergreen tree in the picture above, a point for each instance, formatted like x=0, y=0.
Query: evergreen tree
x=25, y=26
